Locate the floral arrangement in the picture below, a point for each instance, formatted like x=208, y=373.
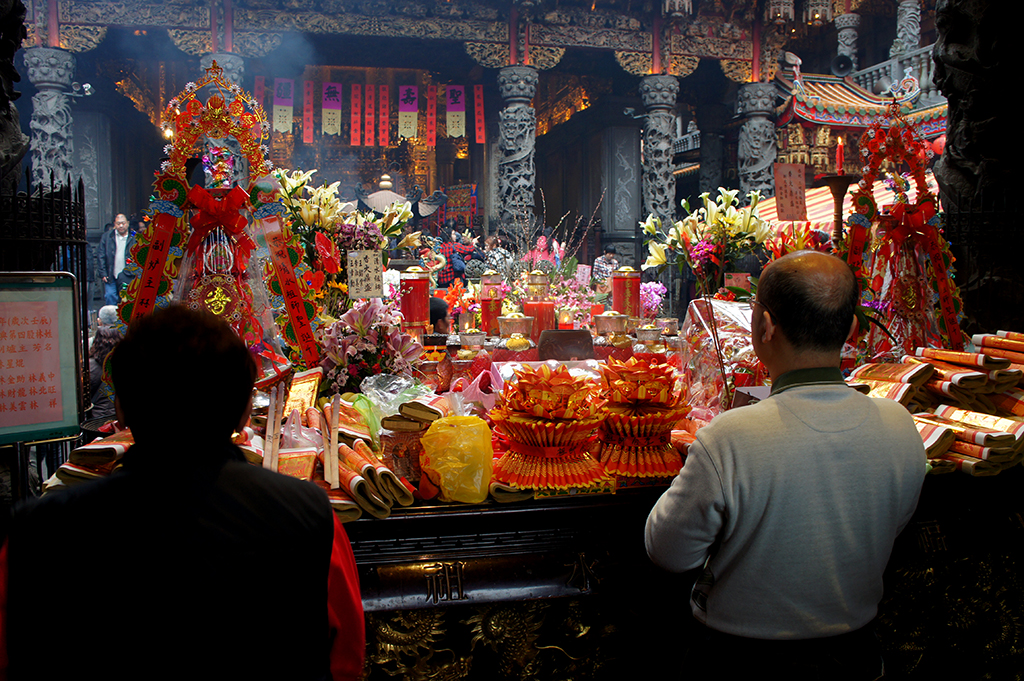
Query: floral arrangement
x=651, y=295
x=707, y=239
x=329, y=228
x=569, y=294
x=366, y=340
x=462, y=300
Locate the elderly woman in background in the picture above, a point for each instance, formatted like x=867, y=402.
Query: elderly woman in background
x=103, y=342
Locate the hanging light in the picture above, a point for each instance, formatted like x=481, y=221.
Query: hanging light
x=779, y=12
x=817, y=12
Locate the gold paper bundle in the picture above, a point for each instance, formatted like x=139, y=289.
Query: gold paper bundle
x=966, y=432
x=912, y=397
x=998, y=455
x=937, y=438
x=351, y=424
x=342, y=503
x=1016, y=428
x=357, y=487
x=503, y=493
x=524, y=466
x=387, y=483
x=971, y=466
x=1010, y=401
x=1000, y=346
x=426, y=408
x=972, y=359
x=945, y=391
x=547, y=416
x=302, y=391
x=966, y=378
x=639, y=380
x=940, y=466
x=639, y=445
x=403, y=425
x=298, y=463
x=914, y=374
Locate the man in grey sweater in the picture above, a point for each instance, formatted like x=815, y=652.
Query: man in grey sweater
x=792, y=505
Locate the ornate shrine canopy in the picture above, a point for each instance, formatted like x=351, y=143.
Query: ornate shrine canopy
x=839, y=102
x=820, y=207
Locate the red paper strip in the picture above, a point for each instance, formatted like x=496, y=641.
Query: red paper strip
x=290, y=286
x=153, y=269
x=369, y=119
x=384, y=116
x=357, y=107
x=478, y=113
x=307, y=112
x=857, y=236
x=931, y=239
x=258, y=90
x=431, y=115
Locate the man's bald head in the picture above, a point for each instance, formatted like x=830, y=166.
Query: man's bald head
x=812, y=297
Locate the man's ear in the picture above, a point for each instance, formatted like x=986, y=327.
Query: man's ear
x=769, y=328
x=854, y=330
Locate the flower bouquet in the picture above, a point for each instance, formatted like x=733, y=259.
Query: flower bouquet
x=328, y=228
x=366, y=340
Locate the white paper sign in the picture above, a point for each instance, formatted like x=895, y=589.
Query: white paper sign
x=365, y=274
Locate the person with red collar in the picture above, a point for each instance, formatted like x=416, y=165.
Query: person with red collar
x=188, y=561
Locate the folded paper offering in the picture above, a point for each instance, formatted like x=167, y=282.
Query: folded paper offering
x=940, y=466
x=303, y=390
x=358, y=488
x=993, y=454
x=298, y=463
x=972, y=466
x=915, y=374
x=342, y=503
x=969, y=379
x=503, y=493
x=988, y=420
x=426, y=408
x=639, y=380
x=401, y=451
x=979, y=435
x=1010, y=401
x=1000, y=346
x=974, y=359
x=551, y=393
x=912, y=397
x=524, y=466
x=389, y=484
x=937, y=438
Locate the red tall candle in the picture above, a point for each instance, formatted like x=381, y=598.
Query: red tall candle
x=543, y=313
x=840, y=157
x=490, y=310
x=626, y=291
x=415, y=297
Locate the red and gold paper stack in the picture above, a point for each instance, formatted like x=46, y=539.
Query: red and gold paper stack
x=548, y=418
x=635, y=439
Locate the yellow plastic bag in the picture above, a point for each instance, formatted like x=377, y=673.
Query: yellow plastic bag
x=458, y=458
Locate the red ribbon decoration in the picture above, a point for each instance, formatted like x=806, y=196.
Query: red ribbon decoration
x=163, y=227
x=213, y=212
x=293, y=299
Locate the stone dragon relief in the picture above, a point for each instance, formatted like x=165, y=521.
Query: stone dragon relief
x=623, y=197
x=517, y=125
x=659, y=96
x=13, y=142
x=756, y=151
x=51, y=71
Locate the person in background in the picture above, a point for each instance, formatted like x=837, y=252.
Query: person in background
x=102, y=343
x=791, y=505
x=601, y=275
x=496, y=256
x=439, y=315
x=115, y=251
x=455, y=254
x=195, y=563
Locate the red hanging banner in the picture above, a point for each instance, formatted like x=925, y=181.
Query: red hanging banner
x=383, y=116
x=369, y=120
x=431, y=115
x=163, y=228
x=258, y=89
x=357, y=108
x=478, y=113
x=307, y=112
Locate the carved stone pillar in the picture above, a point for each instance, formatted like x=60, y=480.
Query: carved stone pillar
x=756, y=150
x=659, y=97
x=847, y=25
x=711, y=121
x=51, y=71
x=517, y=126
x=233, y=67
x=908, y=28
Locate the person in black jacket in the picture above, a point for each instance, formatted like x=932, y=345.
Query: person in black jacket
x=189, y=562
x=115, y=252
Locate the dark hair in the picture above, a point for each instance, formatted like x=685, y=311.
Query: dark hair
x=813, y=309
x=178, y=367
x=609, y=248
x=438, y=309
x=103, y=342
